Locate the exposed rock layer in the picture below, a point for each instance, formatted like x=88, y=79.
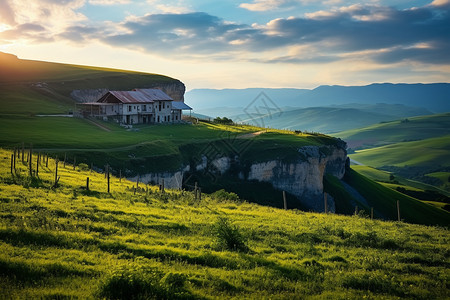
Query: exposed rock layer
x=302, y=177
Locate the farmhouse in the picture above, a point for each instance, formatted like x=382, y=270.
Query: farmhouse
x=139, y=106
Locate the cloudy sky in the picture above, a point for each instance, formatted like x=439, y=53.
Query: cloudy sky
x=239, y=44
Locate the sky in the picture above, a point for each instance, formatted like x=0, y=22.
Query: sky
x=239, y=44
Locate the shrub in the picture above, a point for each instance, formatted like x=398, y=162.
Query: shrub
x=229, y=236
x=224, y=195
x=139, y=282
x=83, y=167
x=223, y=120
x=133, y=282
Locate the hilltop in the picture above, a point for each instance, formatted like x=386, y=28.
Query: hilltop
x=69, y=242
x=37, y=87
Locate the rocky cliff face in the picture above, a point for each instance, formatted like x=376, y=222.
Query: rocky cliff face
x=175, y=90
x=302, y=178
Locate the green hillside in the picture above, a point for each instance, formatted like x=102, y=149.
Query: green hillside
x=410, y=129
x=32, y=87
x=386, y=177
x=429, y=153
x=70, y=242
x=319, y=119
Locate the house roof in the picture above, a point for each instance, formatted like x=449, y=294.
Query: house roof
x=155, y=94
x=136, y=96
x=180, y=105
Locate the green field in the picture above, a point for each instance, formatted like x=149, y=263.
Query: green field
x=429, y=153
x=158, y=147
x=383, y=177
x=414, y=129
x=72, y=243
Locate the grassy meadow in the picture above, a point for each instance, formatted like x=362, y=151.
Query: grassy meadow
x=152, y=148
x=69, y=242
x=410, y=129
x=425, y=153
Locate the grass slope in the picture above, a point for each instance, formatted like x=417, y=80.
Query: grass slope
x=72, y=243
x=383, y=177
x=429, y=153
x=324, y=119
x=384, y=201
x=152, y=148
x=415, y=128
x=33, y=87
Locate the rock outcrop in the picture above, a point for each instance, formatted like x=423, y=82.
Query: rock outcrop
x=175, y=90
x=302, y=177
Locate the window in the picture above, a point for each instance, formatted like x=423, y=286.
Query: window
x=164, y=105
x=159, y=106
x=144, y=107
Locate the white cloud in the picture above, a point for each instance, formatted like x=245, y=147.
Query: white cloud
x=263, y=5
x=440, y=2
x=169, y=7
x=109, y=2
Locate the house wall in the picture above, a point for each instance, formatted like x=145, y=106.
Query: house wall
x=110, y=110
x=142, y=113
x=163, y=111
x=176, y=115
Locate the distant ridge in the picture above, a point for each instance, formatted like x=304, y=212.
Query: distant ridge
x=432, y=96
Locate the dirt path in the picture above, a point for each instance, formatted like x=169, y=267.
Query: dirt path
x=250, y=135
x=98, y=125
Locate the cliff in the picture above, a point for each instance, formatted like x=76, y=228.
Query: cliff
x=302, y=177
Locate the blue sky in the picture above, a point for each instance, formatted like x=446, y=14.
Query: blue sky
x=238, y=44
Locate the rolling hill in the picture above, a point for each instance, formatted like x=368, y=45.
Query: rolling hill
x=33, y=87
x=415, y=148
x=139, y=242
x=330, y=119
x=410, y=129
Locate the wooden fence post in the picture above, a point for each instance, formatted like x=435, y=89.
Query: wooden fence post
x=356, y=210
x=107, y=176
x=284, y=200
x=398, y=210
x=87, y=184
x=37, y=164
x=74, y=162
x=56, y=173
x=12, y=163
x=30, y=160
x=23, y=151
x=163, y=185
x=46, y=161
x=200, y=194
x=120, y=175
x=195, y=190
x=371, y=213
x=326, y=202
x=65, y=157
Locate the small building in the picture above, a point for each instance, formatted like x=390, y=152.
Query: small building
x=139, y=106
